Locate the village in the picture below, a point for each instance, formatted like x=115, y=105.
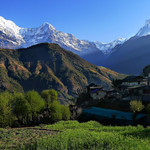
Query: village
x=113, y=106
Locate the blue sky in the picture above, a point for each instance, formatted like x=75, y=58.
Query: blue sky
x=95, y=20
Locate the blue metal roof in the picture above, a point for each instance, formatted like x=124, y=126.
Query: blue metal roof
x=109, y=113
x=95, y=90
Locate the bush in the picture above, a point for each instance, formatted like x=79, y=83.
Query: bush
x=136, y=106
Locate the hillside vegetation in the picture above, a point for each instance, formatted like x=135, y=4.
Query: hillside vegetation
x=31, y=108
x=72, y=135
x=46, y=66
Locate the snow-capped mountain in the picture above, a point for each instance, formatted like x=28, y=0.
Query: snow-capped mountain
x=145, y=30
x=106, y=48
x=133, y=55
x=8, y=27
x=12, y=36
x=125, y=55
x=9, y=34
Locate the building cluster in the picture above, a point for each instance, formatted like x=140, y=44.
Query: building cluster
x=135, y=88
x=130, y=88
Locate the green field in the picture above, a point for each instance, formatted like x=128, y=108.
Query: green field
x=71, y=135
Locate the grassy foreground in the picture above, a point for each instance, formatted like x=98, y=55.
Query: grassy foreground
x=72, y=135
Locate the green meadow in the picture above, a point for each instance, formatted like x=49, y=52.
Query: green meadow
x=72, y=135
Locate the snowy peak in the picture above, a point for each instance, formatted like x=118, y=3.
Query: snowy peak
x=12, y=36
x=147, y=23
x=106, y=48
x=48, y=26
x=9, y=26
x=144, y=31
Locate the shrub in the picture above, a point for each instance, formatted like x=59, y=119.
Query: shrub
x=136, y=106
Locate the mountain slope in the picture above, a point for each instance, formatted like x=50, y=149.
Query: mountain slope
x=131, y=57
x=123, y=55
x=46, y=66
x=145, y=30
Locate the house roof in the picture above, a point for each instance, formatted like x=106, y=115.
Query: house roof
x=94, y=86
x=134, y=79
x=111, y=91
x=144, y=87
x=129, y=78
x=109, y=113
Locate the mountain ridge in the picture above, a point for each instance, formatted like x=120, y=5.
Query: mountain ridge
x=45, y=66
x=115, y=55
x=24, y=37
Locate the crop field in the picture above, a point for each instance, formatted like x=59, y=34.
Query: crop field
x=17, y=138
x=72, y=135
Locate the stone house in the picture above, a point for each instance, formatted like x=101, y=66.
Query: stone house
x=96, y=92
x=134, y=81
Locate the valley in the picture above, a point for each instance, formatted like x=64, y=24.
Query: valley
x=59, y=92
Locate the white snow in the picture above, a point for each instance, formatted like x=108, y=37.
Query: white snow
x=8, y=26
x=106, y=48
x=25, y=37
x=144, y=31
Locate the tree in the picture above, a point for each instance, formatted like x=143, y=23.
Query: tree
x=65, y=112
x=116, y=83
x=83, y=97
x=148, y=111
x=49, y=96
x=46, y=96
x=148, y=108
x=6, y=117
x=36, y=102
x=136, y=106
x=53, y=95
x=55, y=111
x=21, y=107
